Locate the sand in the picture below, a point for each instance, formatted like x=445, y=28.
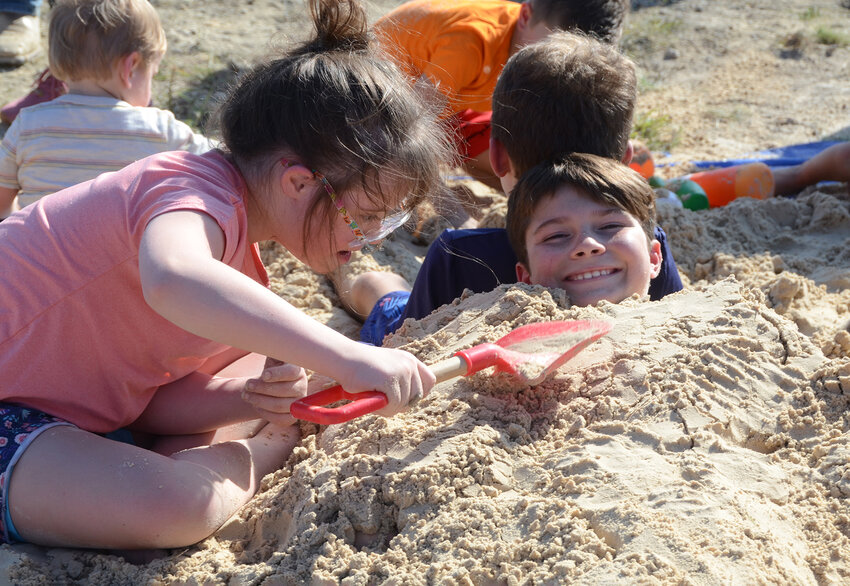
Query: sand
x=705, y=439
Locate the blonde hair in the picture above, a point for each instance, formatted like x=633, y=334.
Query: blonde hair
x=86, y=37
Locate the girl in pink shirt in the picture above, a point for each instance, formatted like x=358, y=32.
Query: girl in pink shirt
x=138, y=300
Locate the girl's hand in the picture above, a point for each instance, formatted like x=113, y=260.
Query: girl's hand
x=278, y=386
x=396, y=373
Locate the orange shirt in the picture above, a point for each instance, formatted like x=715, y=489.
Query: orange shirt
x=460, y=45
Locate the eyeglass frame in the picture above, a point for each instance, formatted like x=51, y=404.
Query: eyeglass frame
x=362, y=241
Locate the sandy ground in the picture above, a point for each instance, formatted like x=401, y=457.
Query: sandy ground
x=704, y=440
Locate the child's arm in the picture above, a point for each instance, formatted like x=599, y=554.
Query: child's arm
x=8, y=170
x=7, y=196
x=184, y=281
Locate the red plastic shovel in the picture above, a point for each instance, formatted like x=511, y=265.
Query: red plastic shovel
x=531, y=353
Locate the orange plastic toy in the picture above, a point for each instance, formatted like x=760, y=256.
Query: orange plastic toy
x=723, y=185
x=642, y=160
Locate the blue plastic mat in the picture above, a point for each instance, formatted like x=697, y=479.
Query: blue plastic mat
x=785, y=156
x=779, y=157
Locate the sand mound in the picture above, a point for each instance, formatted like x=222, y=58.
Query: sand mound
x=703, y=440
x=797, y=251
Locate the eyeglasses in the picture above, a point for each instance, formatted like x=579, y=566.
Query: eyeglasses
x=371, y=238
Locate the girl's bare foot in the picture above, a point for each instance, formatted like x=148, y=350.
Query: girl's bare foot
x=271, y=446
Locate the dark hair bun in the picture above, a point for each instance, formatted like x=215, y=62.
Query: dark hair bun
x=340, y=25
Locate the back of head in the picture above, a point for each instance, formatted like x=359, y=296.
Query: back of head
x=342, y=109
x=602, y=19
x=567, y=93
x=87, y=37
x=601, y=178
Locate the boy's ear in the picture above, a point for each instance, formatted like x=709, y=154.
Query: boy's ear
x=525, y=14
x=655, y=258
x=499, y=159
x=523, y=275
x=127, y=65
x=630, y=152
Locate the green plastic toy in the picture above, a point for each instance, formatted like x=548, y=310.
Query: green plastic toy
x=691, y=193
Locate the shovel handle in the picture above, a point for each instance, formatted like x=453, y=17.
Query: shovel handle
x=312, y=407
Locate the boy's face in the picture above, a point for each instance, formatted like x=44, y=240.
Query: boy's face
x=590, y=249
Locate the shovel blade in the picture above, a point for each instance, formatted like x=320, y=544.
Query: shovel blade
x=534, y=351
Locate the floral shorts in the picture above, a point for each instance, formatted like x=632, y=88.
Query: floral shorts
x=18, y=427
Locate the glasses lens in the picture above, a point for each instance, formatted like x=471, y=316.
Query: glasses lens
x=388, y=225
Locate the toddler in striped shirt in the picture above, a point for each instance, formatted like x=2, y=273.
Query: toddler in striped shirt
x=107, y=51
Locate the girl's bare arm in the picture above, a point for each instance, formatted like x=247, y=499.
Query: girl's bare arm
x=184, y=280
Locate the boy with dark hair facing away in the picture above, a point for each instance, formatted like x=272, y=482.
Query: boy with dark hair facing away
x=108, y=52
x=585, y=224
x=568, y=93
x=462, y=45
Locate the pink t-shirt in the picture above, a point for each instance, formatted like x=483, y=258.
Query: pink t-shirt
x=77, y=339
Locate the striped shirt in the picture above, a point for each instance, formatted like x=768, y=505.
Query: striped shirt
x=74, y=138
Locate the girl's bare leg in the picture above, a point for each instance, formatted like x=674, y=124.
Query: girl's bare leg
x=226, y=366
x=171, y=444
x=72, y=488
x=360, y=293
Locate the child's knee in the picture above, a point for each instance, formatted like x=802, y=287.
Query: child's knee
x=368, y=288
x=379, y=283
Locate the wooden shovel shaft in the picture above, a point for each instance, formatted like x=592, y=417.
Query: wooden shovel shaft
x=450, y=368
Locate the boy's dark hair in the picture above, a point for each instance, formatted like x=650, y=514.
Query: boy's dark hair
x=567, y=93
x=600, y=178
x=344, y=111
x=87, y=37
x=601, y=18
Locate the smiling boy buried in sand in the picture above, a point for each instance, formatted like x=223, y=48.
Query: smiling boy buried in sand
x=584, y=224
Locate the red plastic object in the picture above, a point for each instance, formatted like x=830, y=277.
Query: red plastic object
x=312, y=407
x=531, y=353
x=725, y=184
